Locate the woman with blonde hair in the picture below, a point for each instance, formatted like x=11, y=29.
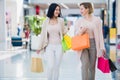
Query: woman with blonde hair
x=92, y=25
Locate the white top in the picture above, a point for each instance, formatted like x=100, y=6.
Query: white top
x=94, y=30
x=54, y=34
x=90, y=27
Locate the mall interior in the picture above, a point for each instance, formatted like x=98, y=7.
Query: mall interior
x=19, y=39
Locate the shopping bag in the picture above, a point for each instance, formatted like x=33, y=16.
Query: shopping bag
x=67, y=39
x=112, y=66
x=103, y=65
x=118, y=46
x=36, y=65
x=64, y=45
x=80, y=42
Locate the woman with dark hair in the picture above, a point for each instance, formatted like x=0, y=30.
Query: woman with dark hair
x=92, y=25
x=51, y=37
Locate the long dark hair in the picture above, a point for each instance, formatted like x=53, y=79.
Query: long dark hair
x=51, y=10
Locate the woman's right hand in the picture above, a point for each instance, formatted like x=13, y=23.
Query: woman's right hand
x=38, y=51
x=83, y=30
x=103, y=52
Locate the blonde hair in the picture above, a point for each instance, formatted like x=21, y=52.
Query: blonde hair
x=89, y=6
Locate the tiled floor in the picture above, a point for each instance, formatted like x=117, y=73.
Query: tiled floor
x=18, y=67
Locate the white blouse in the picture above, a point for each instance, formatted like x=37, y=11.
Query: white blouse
x=94, y=30
x=53, y=33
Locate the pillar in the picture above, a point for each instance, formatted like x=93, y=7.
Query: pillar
x=3, y=32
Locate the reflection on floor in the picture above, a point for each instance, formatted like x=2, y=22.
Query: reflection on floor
x=18, y=67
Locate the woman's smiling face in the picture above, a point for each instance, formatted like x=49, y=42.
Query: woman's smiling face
x=83, y=10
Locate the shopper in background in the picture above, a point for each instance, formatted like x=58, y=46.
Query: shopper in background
x=105, y=31
x=106, y=37
x=19, y=29
x=26, y=31
x=51, y=37
x=92, y=25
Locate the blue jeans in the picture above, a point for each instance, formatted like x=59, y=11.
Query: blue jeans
x=107, y=48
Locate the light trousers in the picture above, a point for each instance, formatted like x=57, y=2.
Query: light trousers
x=88, y=60
x=54, y=56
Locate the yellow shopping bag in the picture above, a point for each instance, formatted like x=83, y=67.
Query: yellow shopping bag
x=36, y=65
x=67, y=39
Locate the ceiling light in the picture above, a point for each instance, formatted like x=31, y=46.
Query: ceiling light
x=78, y=5
x=48, y=4
x=65, y=6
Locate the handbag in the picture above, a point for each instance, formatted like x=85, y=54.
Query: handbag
x=80, y=42
x=64, y=45
x=103, y=65
x=118, y=46
x=36, y=65
x=67, y=39
x=112, y=66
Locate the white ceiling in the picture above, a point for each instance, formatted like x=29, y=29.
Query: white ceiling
x=66, y=1
x=72, y=5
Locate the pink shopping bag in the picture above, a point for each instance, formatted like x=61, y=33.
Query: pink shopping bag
x=103, y=65
x=118, y=46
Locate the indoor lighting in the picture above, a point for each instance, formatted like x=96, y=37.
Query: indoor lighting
x=65, y=6
x=48, y=4
x=78, y=5
x=19, y=70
